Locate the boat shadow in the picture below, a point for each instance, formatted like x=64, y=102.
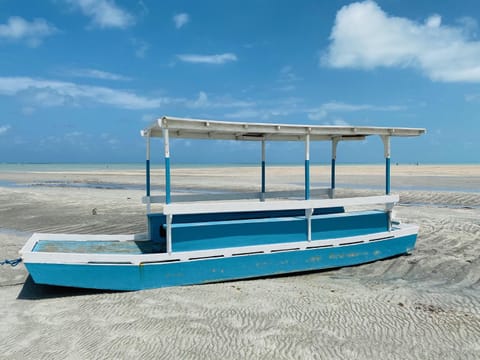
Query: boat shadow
x=33, y=291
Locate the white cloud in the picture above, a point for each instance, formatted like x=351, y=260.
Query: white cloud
x=104, y=13
x=149, y=118
x=469, y=26
x=286, y=87
x=322, y=111
x=27, y=110
x=318, y=114
x=434, y=21
x=58, y=93
x=203, y=101
x=208, y=59
x=109, y=139
x=365, y=37
x=181, y=20
x=287, y=75
x=287, y=78
x=472, y=97
x=269, y=109
x=96, y=74
x=4, y=129
x=140, y=46
x=33, y=33
x=246, y=114
x=340, y=122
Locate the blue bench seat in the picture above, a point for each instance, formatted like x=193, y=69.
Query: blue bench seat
x=189, y=236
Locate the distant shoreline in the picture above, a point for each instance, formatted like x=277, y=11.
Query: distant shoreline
x=232, y=177
x=141, y=165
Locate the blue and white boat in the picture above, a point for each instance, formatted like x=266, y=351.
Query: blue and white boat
x=210, y=241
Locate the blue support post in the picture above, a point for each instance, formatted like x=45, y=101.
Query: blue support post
x=263, y=177
x=147, y=174
x=387, y=175
x=147, y=182
x=307, y=179
x=335, y=141
x=386, y=146
x=307, y=167
x=333, y=175
x=262, y=195
x=167, y=180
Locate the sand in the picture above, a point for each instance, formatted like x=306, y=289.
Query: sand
x=422, y=306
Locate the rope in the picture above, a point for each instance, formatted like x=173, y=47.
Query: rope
x=13, y=262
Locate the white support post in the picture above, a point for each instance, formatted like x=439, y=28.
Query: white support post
x=169, y=233
x=308, y=215
x=389, y=210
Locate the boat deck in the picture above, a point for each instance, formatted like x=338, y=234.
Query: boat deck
x=98, y=247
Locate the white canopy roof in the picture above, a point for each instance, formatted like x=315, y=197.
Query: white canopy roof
x=226, y=130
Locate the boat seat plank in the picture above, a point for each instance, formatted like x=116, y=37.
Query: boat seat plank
x=247, y=206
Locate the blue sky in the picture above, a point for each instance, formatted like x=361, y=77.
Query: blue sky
x=80, y=78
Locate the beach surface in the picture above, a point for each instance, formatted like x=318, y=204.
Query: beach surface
x=422, y=306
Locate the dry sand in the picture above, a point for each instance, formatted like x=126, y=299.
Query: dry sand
x=422, y=306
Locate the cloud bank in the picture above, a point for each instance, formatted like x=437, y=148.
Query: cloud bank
x=365, y=37
x=217, y=59
x=32, y=32
x=57, y=93
x=104, y=13
x=181, y=20
x=96, y=74
x=4, y=129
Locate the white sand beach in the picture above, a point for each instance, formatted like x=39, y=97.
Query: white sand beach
x=422, y=306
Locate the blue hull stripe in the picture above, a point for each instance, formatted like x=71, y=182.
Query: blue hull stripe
x=145, y=276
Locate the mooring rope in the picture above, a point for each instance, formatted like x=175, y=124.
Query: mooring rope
x=13, y=262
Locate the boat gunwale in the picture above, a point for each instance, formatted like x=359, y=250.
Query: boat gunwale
x=29, y=256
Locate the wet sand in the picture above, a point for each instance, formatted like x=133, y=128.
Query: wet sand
x=422, y=306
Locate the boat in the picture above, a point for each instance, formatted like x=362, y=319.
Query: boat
x=261, y=235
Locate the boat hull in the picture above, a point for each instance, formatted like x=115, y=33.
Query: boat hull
x=155, y=275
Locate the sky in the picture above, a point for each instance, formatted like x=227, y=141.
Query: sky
x=79, y=79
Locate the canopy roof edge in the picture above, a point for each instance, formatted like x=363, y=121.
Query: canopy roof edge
x=225, y=130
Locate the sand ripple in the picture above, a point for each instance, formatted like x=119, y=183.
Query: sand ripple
x=422, y=306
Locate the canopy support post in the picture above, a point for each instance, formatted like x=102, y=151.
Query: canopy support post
x=389, y=207
x=262, y=194
x=308, y=215
x=386, y=146
x=147, y=174
x=332, y=172
x=167, y=165
x=307, y=167
x=169, y=233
